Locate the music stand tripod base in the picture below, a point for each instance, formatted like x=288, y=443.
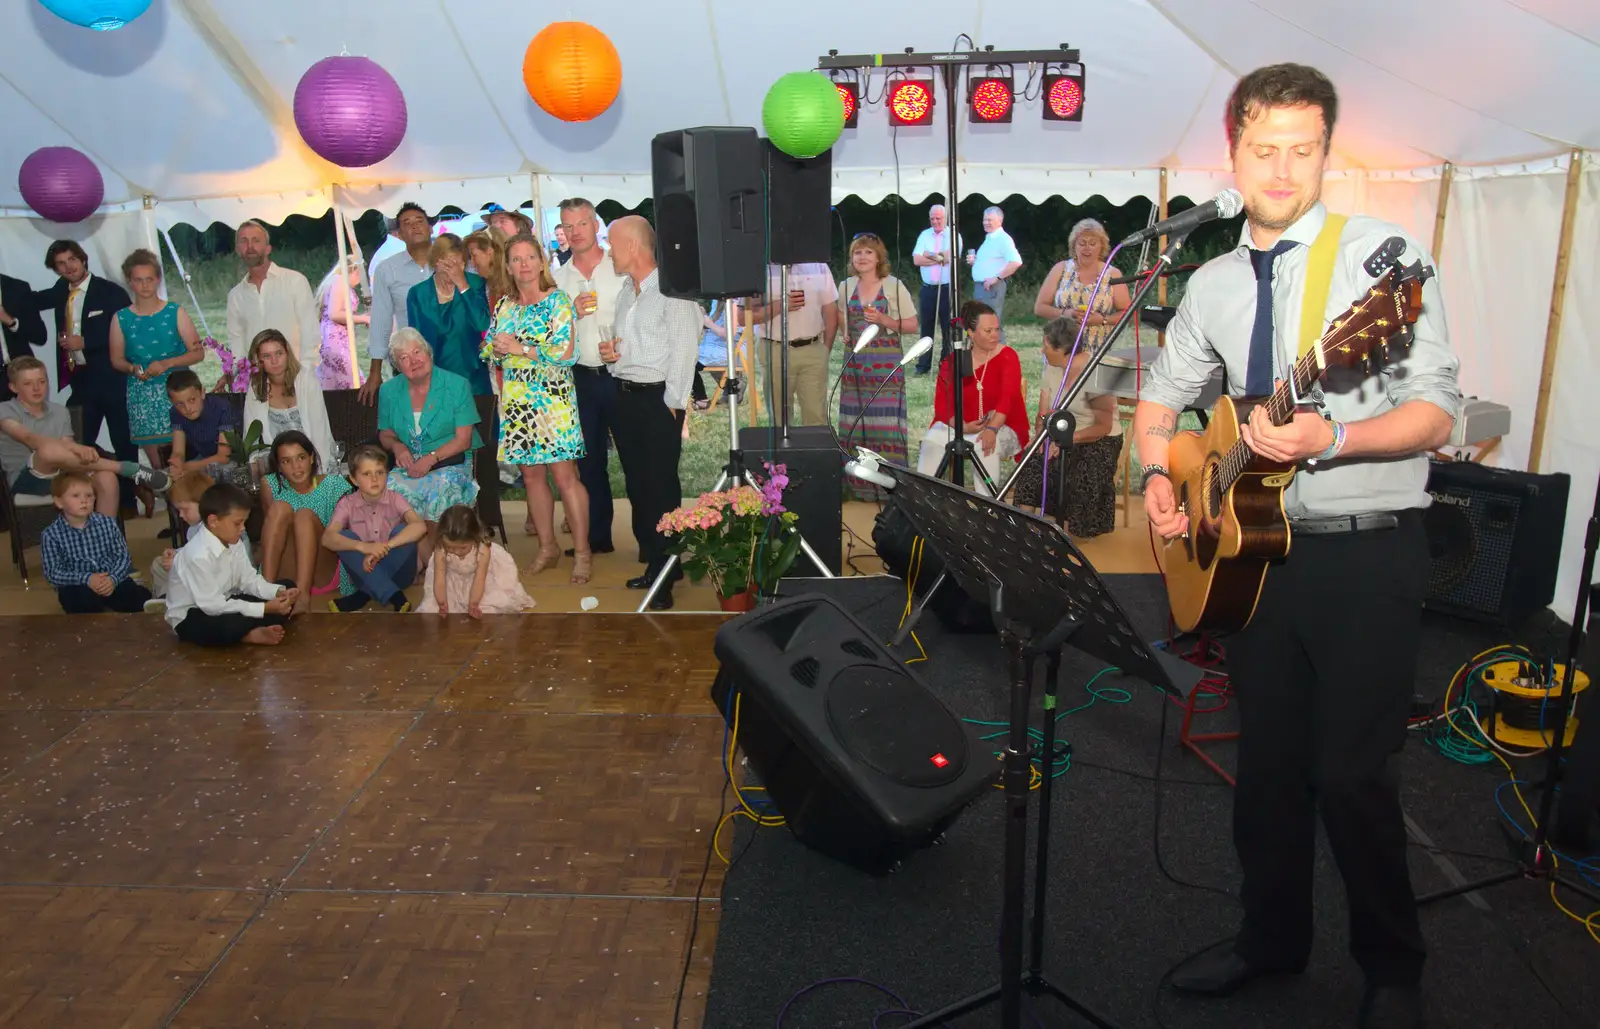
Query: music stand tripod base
x=735, y=472
x=1044, y=595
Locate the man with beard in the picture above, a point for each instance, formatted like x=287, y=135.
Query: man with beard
x=271, y=296
x=1323, y=673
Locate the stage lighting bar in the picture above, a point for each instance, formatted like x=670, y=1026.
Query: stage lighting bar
x=910, y=102
x=1063, y=94
x=850, y=95
x=989, y=99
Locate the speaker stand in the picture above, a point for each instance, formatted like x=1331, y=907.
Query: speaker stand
x=1537, y=859
x=737, y=473
x=1015, y=982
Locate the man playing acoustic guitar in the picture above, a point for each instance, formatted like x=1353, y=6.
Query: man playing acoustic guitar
x=1323, y=672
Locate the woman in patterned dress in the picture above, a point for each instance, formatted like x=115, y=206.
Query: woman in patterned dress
x=300, y=500
x=874, y=297
x=531, y=341
x=1065, y=291
x=335, y=299
x=149, y=340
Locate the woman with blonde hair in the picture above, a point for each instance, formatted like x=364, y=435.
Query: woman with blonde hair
x=871, y=296
x=336, y=299
x=284, y=395
x=1065, y=291
x=486, y=250
x=451, y=310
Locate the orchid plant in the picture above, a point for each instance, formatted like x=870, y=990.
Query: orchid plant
x=235, y=370
x=742, y=539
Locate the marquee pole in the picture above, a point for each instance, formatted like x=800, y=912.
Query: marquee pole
x=1558, y=294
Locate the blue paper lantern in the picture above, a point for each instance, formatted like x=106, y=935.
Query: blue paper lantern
x=103, y=15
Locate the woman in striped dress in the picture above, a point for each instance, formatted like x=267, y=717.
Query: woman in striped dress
x=874, y=297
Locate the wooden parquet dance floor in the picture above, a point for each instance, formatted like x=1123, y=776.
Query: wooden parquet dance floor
x=387, y=821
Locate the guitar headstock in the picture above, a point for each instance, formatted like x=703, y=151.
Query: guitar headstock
x=1374, y=329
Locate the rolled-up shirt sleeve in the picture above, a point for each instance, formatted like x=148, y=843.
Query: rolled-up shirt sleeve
x=1184, y=366
x=1429, y=369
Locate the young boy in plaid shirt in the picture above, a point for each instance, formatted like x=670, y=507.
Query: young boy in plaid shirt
x=85, y=557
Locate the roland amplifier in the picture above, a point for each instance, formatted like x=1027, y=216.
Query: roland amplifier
x=1494, y=535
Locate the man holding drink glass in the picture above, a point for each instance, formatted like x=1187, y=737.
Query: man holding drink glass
x=813, y=302
x=592, y=282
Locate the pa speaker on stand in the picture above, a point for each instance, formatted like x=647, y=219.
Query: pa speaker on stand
x=866, y=765
x=710, y=227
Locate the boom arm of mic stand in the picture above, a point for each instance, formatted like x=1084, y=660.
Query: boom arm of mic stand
x=1129, y=315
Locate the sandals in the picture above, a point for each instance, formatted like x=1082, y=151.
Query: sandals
x=548, y=556
x=582, y=565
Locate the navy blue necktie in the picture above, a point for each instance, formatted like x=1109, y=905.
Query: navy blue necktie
x=1258, y=376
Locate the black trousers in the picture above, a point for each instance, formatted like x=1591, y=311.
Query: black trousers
x=105, y=402
x=934, y=304
x=1323, y=677
x=128, y=598
x=597, y=415
x=649, y=442
x=225, y=630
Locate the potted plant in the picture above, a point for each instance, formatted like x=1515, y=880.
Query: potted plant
x=741, y=539
x=240, y=450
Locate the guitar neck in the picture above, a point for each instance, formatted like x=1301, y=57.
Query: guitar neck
x=1279, y=409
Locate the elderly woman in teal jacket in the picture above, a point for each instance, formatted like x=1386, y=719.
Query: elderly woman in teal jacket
x=427, y=419
x=451, y=310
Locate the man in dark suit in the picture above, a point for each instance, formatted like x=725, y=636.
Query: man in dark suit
x=20, y=324
x=84, y=306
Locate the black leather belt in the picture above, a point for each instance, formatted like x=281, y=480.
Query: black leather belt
x=625, y=384
x=804, y=342
x=1344, y=524
x=589, y=369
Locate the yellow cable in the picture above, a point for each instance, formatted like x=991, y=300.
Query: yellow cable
x=738, y=791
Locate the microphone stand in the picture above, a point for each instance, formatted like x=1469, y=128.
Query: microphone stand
x=1128, y=315
x=782, y=398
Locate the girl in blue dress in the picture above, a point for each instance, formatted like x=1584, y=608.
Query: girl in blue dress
x=149, y=340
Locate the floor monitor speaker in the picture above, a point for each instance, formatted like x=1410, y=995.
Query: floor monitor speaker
x=799, y=206
x=865, y=764
x=710, y=228
x=816, y=483
x=894, y=538
x=1494, y=535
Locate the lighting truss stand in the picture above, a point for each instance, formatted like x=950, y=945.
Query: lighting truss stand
x=1043, y=594
x=1129, y=314
x=1537, y=859
x=733, y=472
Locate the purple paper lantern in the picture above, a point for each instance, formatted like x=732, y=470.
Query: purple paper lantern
x=61, y=184
x=350, y=111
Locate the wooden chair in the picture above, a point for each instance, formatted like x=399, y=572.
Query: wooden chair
x=741, y=355
x=486, y=465
x=1125, y=406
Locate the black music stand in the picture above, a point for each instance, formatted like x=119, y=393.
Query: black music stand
x=1043, y=594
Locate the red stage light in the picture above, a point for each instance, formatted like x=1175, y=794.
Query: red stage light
x=989, y=100
x=1063, y=97
x=852, y=102
x=911, y=102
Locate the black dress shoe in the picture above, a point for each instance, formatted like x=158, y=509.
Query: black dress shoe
x=642, y=582
x=607, y=549
x=662, y=601
x=1220, y=972
x=1391, y=1007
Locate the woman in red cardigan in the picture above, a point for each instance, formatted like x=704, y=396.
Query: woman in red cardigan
x=994, y=414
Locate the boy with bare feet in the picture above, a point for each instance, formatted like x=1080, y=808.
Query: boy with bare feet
x=215, y=597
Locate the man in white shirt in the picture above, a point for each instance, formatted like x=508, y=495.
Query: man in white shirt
x=215, y=597
x=933, y=254
x=392, y=244
x=271, y=297
x=390, y=284
x=593, y=283
x=652, y=362
x=813, y=303
x=995, y=261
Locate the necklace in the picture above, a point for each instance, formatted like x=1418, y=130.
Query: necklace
x=978, y=374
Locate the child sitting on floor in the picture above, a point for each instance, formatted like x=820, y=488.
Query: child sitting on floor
x=375, y=532
x=198, y=422
x=184, y=496
x=85, y=557
x=469, y=573
x=215, y=597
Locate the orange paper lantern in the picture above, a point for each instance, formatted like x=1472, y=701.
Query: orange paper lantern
x=572, y=71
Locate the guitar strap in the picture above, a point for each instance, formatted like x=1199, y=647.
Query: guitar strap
x=1319, y=281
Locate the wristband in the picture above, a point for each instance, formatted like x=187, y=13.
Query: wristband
x=1150, y=472
x=1333, y=448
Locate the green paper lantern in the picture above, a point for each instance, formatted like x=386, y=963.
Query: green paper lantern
x=803, y=114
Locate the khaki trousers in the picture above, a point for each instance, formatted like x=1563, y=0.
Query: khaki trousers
x=808, y=381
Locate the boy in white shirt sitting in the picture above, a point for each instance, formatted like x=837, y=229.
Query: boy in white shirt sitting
x=215, y=597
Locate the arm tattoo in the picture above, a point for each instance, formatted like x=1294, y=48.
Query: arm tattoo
x=1164, y=429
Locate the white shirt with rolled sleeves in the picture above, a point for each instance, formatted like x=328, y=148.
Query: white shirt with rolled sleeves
x=607, y=285
x=207, y=573
x=393, y=280
x=284, y=302
x=816, y=281
x=931, y=242
x=1213, y=324
x=660, y=339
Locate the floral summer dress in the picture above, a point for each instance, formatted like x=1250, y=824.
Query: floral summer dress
x=538, y=402
x=150, y=338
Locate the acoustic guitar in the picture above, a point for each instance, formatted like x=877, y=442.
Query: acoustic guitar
x=1232, y=495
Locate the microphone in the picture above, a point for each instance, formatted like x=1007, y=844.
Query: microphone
x=868, y=334
x=865, y=467
x=1224, y=205
x=924, y=345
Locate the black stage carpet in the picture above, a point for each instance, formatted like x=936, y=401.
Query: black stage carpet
x=929, y=933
